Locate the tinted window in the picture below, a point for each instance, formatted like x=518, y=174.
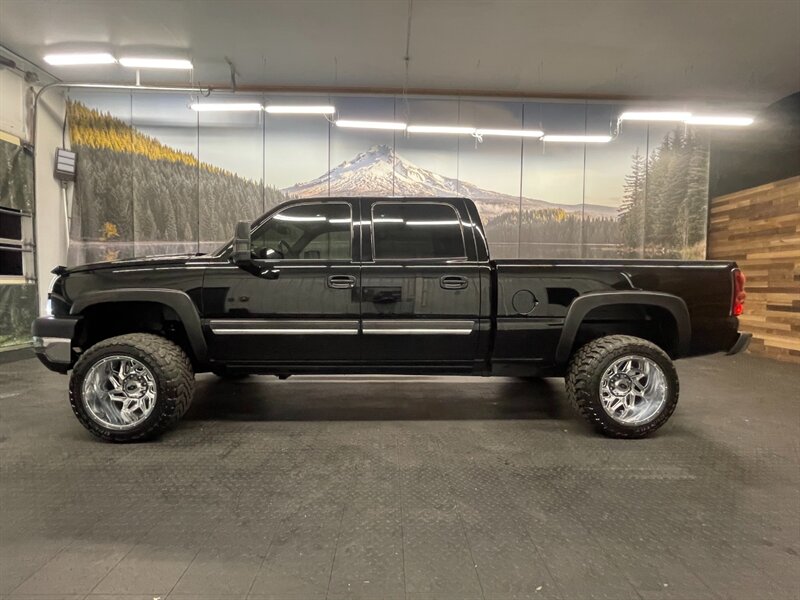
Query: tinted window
x=10, y=225
x=306, y=232
x=10, y=261
x=416, y=230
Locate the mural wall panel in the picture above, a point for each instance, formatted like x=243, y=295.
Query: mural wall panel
x=164, y=153
x=490, y=172
x=230, y=173
x=296, y=151
x=552, y=183
x=156, y=176
x=101, y=134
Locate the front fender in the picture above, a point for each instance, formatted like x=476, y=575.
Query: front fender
x=177, y=300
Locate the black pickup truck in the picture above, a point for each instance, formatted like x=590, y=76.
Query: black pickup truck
x=380, y=285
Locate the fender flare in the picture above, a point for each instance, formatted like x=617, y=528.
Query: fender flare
x=175, y=299
x=582, y=305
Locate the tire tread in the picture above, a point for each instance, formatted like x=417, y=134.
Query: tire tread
x=582, y=369
x=177, y=380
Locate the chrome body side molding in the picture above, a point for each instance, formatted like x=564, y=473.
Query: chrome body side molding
x=417, y=327
x=282, y=327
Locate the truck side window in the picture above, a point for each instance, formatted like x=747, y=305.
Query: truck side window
x=410, y=230
x=313, y=231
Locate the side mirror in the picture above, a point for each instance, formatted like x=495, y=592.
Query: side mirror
x=242, y=253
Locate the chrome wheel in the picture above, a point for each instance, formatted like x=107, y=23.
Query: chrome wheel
x=633, y=390
x=119, y=392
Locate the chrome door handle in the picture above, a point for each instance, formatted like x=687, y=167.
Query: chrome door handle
x=453, y=282
x=341, y=282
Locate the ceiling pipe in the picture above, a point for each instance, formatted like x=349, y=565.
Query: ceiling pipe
x=205, y=91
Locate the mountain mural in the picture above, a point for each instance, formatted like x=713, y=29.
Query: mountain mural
x=380, y=171
x=136, y=194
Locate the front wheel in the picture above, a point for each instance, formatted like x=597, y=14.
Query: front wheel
x=624, y=386
x=131, y=387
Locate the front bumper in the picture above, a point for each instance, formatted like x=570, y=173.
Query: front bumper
x=741, y=344
x=52, y=341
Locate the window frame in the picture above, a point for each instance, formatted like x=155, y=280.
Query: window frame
x=463, y=258
x=320, y=202
x=20, y=246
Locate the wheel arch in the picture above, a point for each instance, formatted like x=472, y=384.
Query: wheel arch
x=175, y=300
x=582, y=306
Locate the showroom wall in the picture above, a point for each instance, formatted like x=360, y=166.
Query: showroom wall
x=43, y=240
x=759, y=228
x=755, y=220
x=155, y=176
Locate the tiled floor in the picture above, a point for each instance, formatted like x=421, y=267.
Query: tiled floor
x=422, y=489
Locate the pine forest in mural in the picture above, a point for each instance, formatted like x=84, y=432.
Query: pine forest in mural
x=665, y=200
x=137, y=195
x=17, y=295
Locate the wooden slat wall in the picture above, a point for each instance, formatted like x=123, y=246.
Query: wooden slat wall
x=759, y=228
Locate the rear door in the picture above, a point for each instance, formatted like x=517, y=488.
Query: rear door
x=304, y=307
x=420, y=296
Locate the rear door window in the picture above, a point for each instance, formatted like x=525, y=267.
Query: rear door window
x=416, y=230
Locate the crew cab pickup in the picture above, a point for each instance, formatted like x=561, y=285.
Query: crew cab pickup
x=380, y=285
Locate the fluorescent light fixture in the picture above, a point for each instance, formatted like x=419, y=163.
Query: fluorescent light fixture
x=371, y=124
x=583, y=139
x=721, y=120
x=654, y=116
x=137, y=62
x=511, y=132
x=439, y=129
x=225, y=106
x=386, y=220
x=64, y=60
x=300, y=110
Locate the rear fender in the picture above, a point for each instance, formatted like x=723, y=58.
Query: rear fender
x=583, y=305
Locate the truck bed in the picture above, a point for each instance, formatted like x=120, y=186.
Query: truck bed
x=537, y=294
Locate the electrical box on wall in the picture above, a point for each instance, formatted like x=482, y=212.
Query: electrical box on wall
x=65, y=166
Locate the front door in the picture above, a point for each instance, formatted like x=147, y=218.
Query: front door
x=304, y=307
x=420, y=284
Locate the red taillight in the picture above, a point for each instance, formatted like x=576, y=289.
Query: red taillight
x=739, y=295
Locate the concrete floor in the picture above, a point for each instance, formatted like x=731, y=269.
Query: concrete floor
x=422, y=489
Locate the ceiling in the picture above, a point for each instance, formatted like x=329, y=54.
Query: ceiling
x=745, y=51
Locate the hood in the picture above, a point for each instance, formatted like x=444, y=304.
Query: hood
x=142, y=261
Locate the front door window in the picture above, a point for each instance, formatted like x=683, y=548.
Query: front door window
x=313, y=231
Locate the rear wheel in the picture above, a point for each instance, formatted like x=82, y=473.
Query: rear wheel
x=623, y=386
x=131, y=387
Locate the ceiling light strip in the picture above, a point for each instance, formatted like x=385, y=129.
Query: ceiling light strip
x=440, y=129
x=86, y=58
x=137, y=62
x=393, y=125
x=534, y=133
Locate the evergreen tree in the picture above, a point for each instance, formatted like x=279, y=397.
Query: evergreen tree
x=631, y=211
x=697, y=190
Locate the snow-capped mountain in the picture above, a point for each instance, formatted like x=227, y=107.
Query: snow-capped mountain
x=381, y=172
